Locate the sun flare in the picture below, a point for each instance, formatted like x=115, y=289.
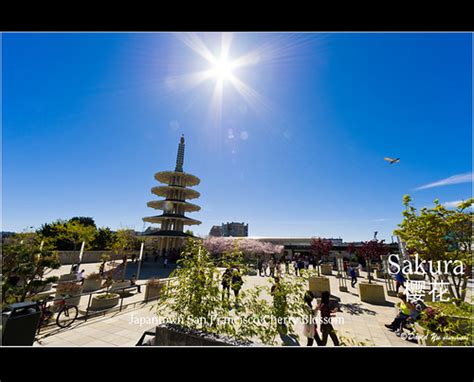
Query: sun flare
x=222, y=69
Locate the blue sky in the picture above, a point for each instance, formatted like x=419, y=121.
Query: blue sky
x=89, y=118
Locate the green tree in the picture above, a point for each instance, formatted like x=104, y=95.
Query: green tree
x=194, y=298
x=288, y=303
x=68, y=235
x=125, y=240
x=76, y=233
x=438, y=233
x=104, y=239
x=54, y=234
x=84, y=220
x=24, y=266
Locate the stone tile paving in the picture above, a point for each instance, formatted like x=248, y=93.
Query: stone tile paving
x=362, y=322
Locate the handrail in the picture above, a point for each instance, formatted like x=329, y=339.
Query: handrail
x=104, y=290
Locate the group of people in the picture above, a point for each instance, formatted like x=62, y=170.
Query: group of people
x=80, y=275
x=310, y=329
x=273, y=267
x=231, y=279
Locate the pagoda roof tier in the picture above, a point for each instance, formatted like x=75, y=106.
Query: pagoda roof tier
x=164, y=217
x=169, y=233
x=166, y=176
x=163, y=191
x=161, y=204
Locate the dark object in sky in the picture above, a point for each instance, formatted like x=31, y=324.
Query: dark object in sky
x=391, y=160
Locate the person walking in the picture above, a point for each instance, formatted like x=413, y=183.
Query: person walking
x=295, y=265
x=400, y=281
x=353, y=276
x=301, y=265
x=102, y=269
x=287, y=263
x=310, y=327
x=80, y=277
x=236, y=284
x=326, y=318
x=271, y=265
x=278, y=269
x=226, y=281
x=306, y=262
x=260, y=266
x=165, y=260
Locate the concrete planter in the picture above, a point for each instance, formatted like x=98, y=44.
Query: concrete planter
x=379, y=274
x=91, y=285
x=372, y=293
x=104, y=303
x=326, y=269
x=74, y=300
x=153, y=291
x=67, y=277
x=317, y=285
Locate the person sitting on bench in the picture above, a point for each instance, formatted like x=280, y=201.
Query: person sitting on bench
x=406, y=310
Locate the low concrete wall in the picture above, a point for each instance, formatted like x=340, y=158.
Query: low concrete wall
x=72, y=257
x=173, y=335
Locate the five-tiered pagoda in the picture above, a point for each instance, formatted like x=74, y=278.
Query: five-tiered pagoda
x=174, y=206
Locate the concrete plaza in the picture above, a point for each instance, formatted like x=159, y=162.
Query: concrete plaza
x=360, y=322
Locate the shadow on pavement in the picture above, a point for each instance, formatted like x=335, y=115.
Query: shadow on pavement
x=356, y=309
x=149, y=270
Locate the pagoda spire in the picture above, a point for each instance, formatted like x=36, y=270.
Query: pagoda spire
x=176, y=191
x=180, y=156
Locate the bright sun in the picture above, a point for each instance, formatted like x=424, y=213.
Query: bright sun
x=222, y=69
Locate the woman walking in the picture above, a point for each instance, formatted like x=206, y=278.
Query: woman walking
x=326, y=318
x=310, y=328
x=236, y=284
x=226, y=280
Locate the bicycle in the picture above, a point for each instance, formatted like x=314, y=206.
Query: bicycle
x=66, y=314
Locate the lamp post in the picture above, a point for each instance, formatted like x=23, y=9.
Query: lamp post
x=82, y=252
x=140, y=260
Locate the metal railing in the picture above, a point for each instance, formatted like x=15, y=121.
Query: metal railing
x=121, y=291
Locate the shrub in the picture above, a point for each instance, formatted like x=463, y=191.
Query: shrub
x=94, y=276
x=70, y=288
x=440, y=319
x=106, y=296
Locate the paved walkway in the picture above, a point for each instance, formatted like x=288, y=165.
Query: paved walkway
x=363, y=323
